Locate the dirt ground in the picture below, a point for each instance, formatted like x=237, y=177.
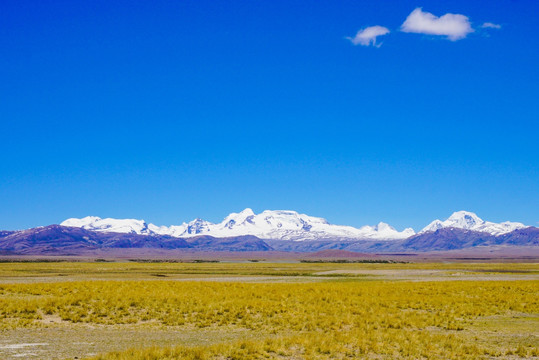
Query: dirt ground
x=57, y=339
x=72, y=341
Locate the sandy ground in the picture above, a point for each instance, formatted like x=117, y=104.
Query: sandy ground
x=330, y=275
x=64, y=340
x=71, y=341
x=430, y=275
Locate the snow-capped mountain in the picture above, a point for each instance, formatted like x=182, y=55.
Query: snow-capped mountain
x=128, y=226
x=288, y=225
x=469, y=221
x=270, y=224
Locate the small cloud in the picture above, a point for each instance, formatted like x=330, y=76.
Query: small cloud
x=368, y=35
x=489, y=25
x=454, y=26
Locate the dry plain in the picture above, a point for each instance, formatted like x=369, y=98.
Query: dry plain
x=265, y=310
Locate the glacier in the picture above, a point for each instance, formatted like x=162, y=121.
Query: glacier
x=269, y=224
x=288, y=225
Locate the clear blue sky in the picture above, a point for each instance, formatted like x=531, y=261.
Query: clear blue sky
x=171, y=110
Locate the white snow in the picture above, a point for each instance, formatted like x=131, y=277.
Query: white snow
x=112, y=225
x=287, y=225
x=470, y=221
x=270, y=224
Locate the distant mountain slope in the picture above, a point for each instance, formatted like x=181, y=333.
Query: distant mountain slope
x=62, y=240
x=446, y=239
x=56, y=238
x=439, y=240
x=238, y=243
x=455, y=238
x=520, y=237
x=48, y=239
x=4, y=233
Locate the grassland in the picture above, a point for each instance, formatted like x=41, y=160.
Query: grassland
x=268, y=310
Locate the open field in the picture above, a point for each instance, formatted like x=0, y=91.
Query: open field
x=282, y=310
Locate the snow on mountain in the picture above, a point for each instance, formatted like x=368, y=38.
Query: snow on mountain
x=270, y=224
x=287, y=225
x=385, y=231
x=470, y=221
x=129, y=226
x=290, y=225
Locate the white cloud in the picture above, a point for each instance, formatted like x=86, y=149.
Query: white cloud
x=454, y=26
x=490, y=25
x=368, y=35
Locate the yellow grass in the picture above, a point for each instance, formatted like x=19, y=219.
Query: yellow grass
x=337, y=318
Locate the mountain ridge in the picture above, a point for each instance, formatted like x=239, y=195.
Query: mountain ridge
x=281, y=230
x=62, y=240
x=470, y=221
x=287, y=225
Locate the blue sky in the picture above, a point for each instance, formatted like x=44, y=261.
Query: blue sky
x=167, y=111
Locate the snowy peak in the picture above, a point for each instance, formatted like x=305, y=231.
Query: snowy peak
x=74, y=222
x=382, y=226
x=408, y=232
x=460, y=219
x=269, y=224
x=470, y=221
x=288, y=225
x=291, y=225
x=238, y=218
x=129, y=226
x=465, y=219
x=433, y=226
x=198, y=226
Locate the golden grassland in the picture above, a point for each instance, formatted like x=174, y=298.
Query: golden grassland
x=339, y=317
x=133, y=270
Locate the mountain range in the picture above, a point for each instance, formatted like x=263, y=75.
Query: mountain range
x=287, y=225
x=269, y=224
x=281, y=230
